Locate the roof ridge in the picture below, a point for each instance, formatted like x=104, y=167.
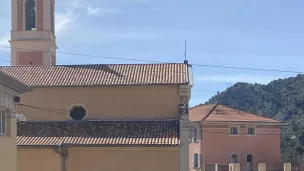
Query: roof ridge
x=92, y=64
x=200, y=105
x=248, y=113
x=85, y=121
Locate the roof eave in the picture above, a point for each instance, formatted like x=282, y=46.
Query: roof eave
x=101, y=85
x=274, y=123
x=97, y=145
x=13, y=84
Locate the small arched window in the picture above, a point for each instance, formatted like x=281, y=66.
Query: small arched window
x=194, y=134
x=234, y=158
x=249, y=158
x=30, y=15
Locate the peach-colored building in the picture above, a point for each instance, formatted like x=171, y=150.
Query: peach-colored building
x=222, y=135
x=9, y=90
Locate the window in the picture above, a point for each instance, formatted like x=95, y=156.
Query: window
x=234, y=158
x=196, y=160
x=78, y=113
x=30, y=15
x=194, y=134
x=251, y=131
x=234, y=130
x=249, y=158
x=2, y=122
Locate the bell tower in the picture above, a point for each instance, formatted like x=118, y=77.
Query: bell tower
x=33, y=40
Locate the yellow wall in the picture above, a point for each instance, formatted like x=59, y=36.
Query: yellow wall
x=32, y=159
x=97, y=159
x=126, y=102
x=8, y=148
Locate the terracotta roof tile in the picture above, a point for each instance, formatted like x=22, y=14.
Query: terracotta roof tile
x=98, y=74
x=224, y=114
x=99, y=133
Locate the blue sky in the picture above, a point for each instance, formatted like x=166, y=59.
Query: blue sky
x=258, y=34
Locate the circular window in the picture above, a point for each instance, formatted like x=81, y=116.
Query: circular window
x=78, y=113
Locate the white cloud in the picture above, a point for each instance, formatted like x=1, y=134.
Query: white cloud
x=68, y=15
x=64, y=21
x=66, y=18
x=92, y=11
x=75, y=3
x=4, y=43
x=262, y=79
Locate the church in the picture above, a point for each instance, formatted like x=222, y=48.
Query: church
x=94, y=117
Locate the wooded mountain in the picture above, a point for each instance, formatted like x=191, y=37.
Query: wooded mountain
x=281, y=99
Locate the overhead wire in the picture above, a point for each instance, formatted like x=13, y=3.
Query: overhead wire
x=65, y=112
x=179, y=58
x=155, y=61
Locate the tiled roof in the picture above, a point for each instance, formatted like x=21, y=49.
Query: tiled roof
x=13, y=84
x=99, y=74
x=98, y=133
x=222, y=113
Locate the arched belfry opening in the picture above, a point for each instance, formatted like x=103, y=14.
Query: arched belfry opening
x=30, y=14
x=33, y=28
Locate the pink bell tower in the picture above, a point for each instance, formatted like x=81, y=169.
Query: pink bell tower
x=33, y=40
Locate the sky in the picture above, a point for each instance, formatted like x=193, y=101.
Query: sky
x=248, y=34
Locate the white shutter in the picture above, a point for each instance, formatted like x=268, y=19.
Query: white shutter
x=199, y=132
x=193, y=158
x=190, y=135
x=194, y=134
x=198, y=160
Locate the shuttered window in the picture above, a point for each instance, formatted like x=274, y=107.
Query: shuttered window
x=196, y=160
x=2, y=122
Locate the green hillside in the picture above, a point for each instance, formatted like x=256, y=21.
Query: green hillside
x=281, y=99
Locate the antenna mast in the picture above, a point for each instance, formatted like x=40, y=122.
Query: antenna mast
x=185, y=50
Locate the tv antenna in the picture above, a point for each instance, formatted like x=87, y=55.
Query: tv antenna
x=185, y=50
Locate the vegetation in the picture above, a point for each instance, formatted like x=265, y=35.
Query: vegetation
x=281, y=99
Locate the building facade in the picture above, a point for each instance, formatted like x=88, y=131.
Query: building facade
x=109, y=112
x=94, y=117
x=9, y=91
x=222, y=135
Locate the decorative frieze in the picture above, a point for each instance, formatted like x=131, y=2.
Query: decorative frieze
x=184, y=110
x=184, y=94
x=7, y=101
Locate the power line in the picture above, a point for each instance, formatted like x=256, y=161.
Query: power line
x=65, y=112
x=93, y=56
x=204, y=90
x=253, y=69
x=179, y=59
x=152, y=61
